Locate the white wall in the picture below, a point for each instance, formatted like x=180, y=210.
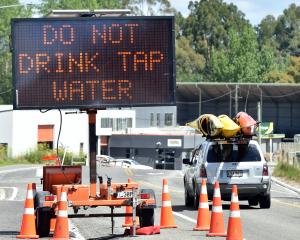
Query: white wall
x=21, y=129
x=6, y=116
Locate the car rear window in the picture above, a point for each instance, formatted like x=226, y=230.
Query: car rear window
x=233, y=153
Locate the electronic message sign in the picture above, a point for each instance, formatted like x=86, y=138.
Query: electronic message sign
x=93, y=62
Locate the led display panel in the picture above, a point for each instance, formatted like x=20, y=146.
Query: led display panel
x=93, y=62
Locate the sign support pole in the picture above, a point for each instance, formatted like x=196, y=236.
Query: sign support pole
x=92, y=151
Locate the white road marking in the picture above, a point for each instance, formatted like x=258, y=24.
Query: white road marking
x=155, y=173
x=13, y=195
x=184, y=217
x=17, y=170
x=75, y=231
x=39, y=172
x=2, y=194
x=286, y=189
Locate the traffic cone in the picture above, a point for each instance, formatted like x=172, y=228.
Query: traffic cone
x=234, y=230
x=61, y=230
x=217, y=228
x=166, y=214
x=28, y=228
x=203, y=209
x=128, y=219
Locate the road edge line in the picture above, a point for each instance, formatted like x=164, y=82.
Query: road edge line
x=184, y=217
x=275, y=180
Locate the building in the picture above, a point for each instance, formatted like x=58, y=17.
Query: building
x=22, y=130
x=277, y=103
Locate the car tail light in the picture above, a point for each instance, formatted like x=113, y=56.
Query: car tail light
x=49, y=198
x=265, y=170
x=145, y=195
x=203, y=172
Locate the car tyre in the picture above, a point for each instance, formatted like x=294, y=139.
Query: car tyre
x=265, y=201
x=188, y=199
x=196, y=198
x=253, y=202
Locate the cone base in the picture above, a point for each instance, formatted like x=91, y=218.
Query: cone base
x=28, y=236
x=216, y=234
x=201, y=228
x=169, y=226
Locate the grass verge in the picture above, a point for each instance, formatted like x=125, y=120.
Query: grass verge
x=287, y=171
x=34, y=156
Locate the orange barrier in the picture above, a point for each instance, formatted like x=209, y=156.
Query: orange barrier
x=61, y=230
x=234, y=230
x=28, y=227
x=128, y=219
x=203, y=209
x=166, y=215
x=217, y=228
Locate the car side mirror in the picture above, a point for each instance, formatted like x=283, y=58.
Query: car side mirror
x=186, y=161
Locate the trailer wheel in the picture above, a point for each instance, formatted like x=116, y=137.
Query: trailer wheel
x=43, y=216
x=146, y=217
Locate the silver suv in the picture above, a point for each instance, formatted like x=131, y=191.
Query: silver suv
x=239, y=162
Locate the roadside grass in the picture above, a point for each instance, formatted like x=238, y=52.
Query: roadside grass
x=34, y=156
x=287, y=171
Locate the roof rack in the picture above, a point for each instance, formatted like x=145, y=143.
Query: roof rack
x=237, y=139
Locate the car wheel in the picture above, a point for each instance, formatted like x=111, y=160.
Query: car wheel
x=188, y=199
x=253, y=202
x=265, y=201
x=196, y=198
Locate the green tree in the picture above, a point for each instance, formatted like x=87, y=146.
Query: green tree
x=5, y=57
x=266, y=32
x=48, y=5
x=287, y=30
x=241, y=61
x=209, y=23
x=150, y=7
x=189, y=64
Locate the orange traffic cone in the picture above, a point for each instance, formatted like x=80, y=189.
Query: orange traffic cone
x=61, y=230
x=203, y=209
x=28, y=229
x=166, y=214
x=234, y=230
x=128, y=219
x=217, y=228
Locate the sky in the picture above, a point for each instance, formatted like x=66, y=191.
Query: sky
x=255, y=10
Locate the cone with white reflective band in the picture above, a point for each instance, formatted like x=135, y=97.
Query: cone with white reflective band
x=234, y=230
x=217, y=228
x=61, y=230
x=28, y=229
x=203, y=210
x=166, y=215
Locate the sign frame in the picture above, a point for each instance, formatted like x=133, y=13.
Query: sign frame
x=172, y=67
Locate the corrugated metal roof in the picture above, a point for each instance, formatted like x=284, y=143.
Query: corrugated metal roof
x=270, y=92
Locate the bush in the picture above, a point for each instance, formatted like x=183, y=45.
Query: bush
x=35, y=155
x=287, y=171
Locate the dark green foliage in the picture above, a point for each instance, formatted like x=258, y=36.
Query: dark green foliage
x=5, y=56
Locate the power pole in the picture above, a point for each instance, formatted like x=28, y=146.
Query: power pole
x=236, y=99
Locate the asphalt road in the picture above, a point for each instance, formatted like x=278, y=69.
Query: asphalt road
x=281, y=221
